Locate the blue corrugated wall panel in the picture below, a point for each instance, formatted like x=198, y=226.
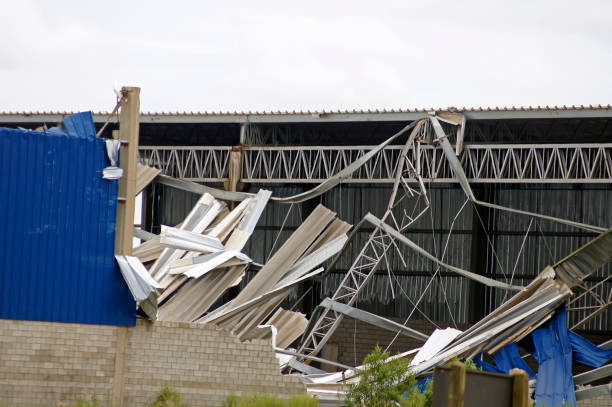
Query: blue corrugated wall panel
x=57, y=228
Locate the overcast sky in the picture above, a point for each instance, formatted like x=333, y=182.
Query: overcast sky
x=255, y=55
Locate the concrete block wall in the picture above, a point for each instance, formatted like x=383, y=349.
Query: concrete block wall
x=603, y=401
x=44, y=363
x=205, y=363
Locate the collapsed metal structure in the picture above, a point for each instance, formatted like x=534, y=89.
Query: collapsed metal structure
x=515, y=319
x=426, y=158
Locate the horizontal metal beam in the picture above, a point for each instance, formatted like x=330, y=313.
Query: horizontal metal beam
x=314, y=358
x=596, y=391
x=482, y=163
x=592, y=375
x=372, y=319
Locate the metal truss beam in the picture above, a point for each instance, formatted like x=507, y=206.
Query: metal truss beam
x=483, y=163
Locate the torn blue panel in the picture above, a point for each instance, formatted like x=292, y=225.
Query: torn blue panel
x=587, y=353
x=481, y=364
x=508, y=358
x=80, y=125
x=57, y=228
x=555, y=346
x=553, y=352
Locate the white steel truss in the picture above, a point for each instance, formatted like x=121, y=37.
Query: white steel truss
x=590, y=300
x=483, y=163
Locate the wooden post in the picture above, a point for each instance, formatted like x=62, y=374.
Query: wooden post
x=129, y=120
x=520, y=388
x=235, y=170
x=456, y=384
x=119, y=376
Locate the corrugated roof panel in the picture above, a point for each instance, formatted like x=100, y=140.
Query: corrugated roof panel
x=339, y=115
x=57, y=226
x=335, y=111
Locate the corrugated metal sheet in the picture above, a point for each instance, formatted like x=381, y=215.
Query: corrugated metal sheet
x=338, y=111
x=57, y=227
x=548, y=242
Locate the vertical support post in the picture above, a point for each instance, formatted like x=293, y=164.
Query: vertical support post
x=310, y=301
x=129, y=120
x=478, y=257
x=460, y=135
x=119, y=375
x=233, y=184
x=243, y=134
x=456, y=384
x=235, y=170
x=520, y=388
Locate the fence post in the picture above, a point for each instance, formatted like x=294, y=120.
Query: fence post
x=520, y=388
x=456, y=384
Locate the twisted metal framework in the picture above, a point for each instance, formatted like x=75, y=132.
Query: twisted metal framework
x=375, y=249
x=590, y=300
x=483, y=163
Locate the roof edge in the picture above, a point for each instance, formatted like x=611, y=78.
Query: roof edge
x=308, y=116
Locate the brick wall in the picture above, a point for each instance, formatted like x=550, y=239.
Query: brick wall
x=44, y=363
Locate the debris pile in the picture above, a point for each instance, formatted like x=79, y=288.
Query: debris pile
x=192, y=266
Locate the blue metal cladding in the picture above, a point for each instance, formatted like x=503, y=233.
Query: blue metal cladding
x=57, y=228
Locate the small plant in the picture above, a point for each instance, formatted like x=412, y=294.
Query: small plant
x=169, y=397
x=414, y=397
x=230, y=401
x=262, y=400
x=302, y=401
x=93, y=402
x=471, y=365
x=381, y=382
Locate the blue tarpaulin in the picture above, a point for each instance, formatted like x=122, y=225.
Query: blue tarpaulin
x=508, y=358
x=57, y=228
x=587, y=353
x=482, y=365
x=555, y=349
x=553, y=352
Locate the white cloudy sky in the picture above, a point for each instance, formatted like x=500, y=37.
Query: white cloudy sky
x=235, y=55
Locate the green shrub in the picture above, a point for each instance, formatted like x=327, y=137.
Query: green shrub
x=169, y=397
x=381, y=382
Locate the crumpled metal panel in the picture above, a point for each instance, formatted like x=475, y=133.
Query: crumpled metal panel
x=57, y=228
